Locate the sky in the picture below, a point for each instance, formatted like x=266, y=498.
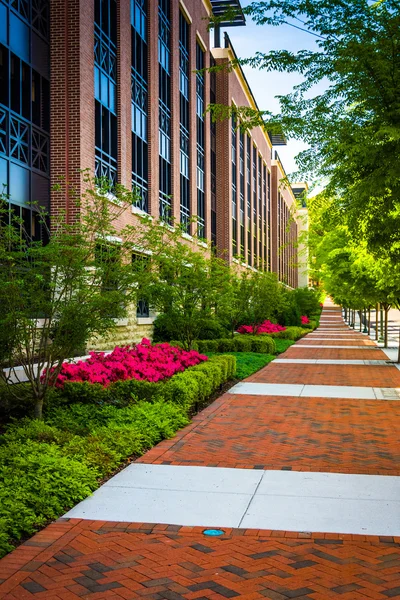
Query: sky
x=266, y=85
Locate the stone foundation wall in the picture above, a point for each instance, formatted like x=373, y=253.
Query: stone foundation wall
x=128, y=331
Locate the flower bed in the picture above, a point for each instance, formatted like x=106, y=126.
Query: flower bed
x=304, y=320
x=265, y=327
x=143, y=362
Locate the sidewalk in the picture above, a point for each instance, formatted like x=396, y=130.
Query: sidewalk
x=299, y=465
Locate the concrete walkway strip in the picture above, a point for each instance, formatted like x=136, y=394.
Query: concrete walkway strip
x=316, y=391
x=286, y=500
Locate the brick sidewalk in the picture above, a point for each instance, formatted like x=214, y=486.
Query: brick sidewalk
x=73, y=559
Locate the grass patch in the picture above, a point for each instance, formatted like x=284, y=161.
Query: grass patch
x=248, y=363
x=282, y=345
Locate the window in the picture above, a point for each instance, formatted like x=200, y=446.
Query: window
x=25, y=109
x=184, y=108
x=106, y=256
x=213, y=159
x=241, y=175
x=105, y=86
x=248, y=176
x=164, y=80
x=234, y=185
x=200, y=89
x=139, y=102
x=141, y=262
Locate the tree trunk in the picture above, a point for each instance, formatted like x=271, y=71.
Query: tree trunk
x=376, y=322
x=38, y=411
x=386, y=326
x=360, y=315
x=398, y=354
x=369, y=320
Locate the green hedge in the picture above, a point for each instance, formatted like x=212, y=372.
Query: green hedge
x=239, y=343
x=193, y=385
x=290, y=333
x=46, y=467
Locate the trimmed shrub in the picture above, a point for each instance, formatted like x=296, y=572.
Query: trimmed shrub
x=183, y=388
x=243, y=343
x=239, y=343
x=291, y=333
x=226, y=345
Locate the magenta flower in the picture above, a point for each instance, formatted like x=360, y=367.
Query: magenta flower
x=142, y=361
x=265, y=327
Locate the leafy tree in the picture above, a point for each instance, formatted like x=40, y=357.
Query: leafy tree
x=56, y=296
x=352, y=126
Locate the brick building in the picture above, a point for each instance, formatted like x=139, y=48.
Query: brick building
x=116, y=86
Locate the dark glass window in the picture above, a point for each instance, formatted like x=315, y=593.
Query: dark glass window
x=213, y=158
x=234, y=185
x=248, y=176
x=200, y=90
x=139, y=98
x=164, y=80
x=184, y=116
x=105, y=90
x=269, y=219
x=25, y=108
x=242, y=186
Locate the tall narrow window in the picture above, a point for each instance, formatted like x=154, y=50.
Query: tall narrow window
x=265, y=223
x=255, y=258
x=164, y=80
x=105, y=90
x=234, y=187
x=269, y=219
x=248, y=175
x=241, y=188
x=139, y=104
x=200, y=88
x=213, y=161
x=260, y=211
x=184, y=115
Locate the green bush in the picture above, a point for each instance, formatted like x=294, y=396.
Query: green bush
x=282, y=345
x=290, y=333
x=182, y=388
x=208, y=346
x=307, y=300
x=48, y=466
x=239, y=343
x=242, y=343
x=264, y=344
x=226, y=345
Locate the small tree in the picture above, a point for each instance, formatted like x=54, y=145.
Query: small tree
x=262, y=292
x=56, y=296
x=181, y=280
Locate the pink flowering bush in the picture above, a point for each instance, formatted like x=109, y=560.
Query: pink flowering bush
x=265, y=327
x=142, y=361
x=304, y=320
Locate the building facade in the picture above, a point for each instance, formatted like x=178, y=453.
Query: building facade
x=121, y=87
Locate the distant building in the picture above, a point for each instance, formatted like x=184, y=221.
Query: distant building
x=300, y=192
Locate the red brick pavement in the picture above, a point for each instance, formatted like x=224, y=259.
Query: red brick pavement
x=94, y=560
x=307, y=434
x=332, y=353
x=353, y=375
